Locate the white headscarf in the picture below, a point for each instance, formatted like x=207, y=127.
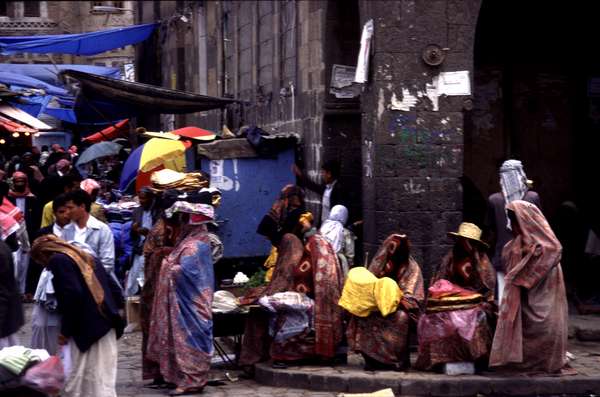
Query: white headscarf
x=333, y=228
x=513, y=180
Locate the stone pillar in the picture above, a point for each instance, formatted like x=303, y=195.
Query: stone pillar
x=412, y=139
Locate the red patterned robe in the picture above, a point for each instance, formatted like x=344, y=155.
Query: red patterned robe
x=385, y=339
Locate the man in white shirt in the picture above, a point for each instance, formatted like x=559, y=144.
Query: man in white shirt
x=86, y=229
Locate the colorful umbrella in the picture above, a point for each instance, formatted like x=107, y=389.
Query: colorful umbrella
x=109, y=133
x=152, y=156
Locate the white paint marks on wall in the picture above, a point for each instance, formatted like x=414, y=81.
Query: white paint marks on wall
x=408, y=101
x=368, y=164
x=235, y=175
x=414, y=188
x=217, y=176
x=380, y=104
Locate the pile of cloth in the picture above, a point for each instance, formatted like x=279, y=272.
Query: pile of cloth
x=364, y=293
x=444, y=296
x=30, y=368
x=183, y=181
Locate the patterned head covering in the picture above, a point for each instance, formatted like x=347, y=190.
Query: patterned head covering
x=199, y=213
x=513, y=180
x=46, y=246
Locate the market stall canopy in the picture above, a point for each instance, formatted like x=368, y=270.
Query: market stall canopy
x=48, y=73
x=12, y=126
x=144, y=97
x=90, y=43
x=109, y=133
x=194, y=133
x=22, y=117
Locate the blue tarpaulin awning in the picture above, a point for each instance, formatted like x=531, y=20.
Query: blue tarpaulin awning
x=48, y=73
x=77, y=44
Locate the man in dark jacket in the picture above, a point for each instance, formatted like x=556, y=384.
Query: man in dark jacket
x=331, y=191
x=11, y=309
x=88, y=302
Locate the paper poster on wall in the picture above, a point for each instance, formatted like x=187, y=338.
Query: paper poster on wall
x=342, y=82
x=217, y=177
x=454, y=83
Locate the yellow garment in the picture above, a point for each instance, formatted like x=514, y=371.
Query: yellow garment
x=364, y=293
x=47, y=215
x=270, y=264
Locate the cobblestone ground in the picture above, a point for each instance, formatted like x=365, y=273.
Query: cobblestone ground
x=129, y=376
x=129, y=380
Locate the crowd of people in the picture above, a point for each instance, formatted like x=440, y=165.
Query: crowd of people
x=318, y=302
x=509, y=313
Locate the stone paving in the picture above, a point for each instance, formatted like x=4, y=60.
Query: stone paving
x=329, y=381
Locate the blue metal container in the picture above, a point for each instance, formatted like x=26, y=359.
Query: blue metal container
x=249, y=187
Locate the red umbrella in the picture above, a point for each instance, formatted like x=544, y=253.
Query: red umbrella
x=109, y=133
x=195, y=133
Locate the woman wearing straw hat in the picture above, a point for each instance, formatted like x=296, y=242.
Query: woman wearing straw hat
x=460, y=305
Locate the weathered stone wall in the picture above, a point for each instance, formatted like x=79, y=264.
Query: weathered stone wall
x=412, y=160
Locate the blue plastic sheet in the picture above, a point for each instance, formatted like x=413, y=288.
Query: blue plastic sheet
x=48, y=73
x=91, y=43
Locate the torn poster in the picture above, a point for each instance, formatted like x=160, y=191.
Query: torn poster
x=342, y=82
x=362, y=66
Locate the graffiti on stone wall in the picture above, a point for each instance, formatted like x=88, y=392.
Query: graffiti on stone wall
x=417, y=141
x=414, y=188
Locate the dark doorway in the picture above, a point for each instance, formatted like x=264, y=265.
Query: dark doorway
x=536, y=98
x=342, y=118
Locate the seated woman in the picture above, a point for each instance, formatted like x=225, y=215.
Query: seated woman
x=310, y=267
x=532, y=325
x=383, y=341
x=458, y=325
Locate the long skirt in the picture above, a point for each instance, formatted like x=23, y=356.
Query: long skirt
x=384, y=339
x=94, y=372
x=453, y=336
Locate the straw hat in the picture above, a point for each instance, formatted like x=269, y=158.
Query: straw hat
x=470, y=231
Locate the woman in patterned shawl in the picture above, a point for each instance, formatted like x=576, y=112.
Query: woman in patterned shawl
x=310, y=267
x=461, y=332
x=532, y=325
x=383, y=341
x=180, y=337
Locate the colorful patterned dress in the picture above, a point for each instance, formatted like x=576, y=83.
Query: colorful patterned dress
x=155, y=250
x=181, y=325
x=385, y=339
x=461, y=334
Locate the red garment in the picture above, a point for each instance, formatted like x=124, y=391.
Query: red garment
x=463, y=334
x=532, y=326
